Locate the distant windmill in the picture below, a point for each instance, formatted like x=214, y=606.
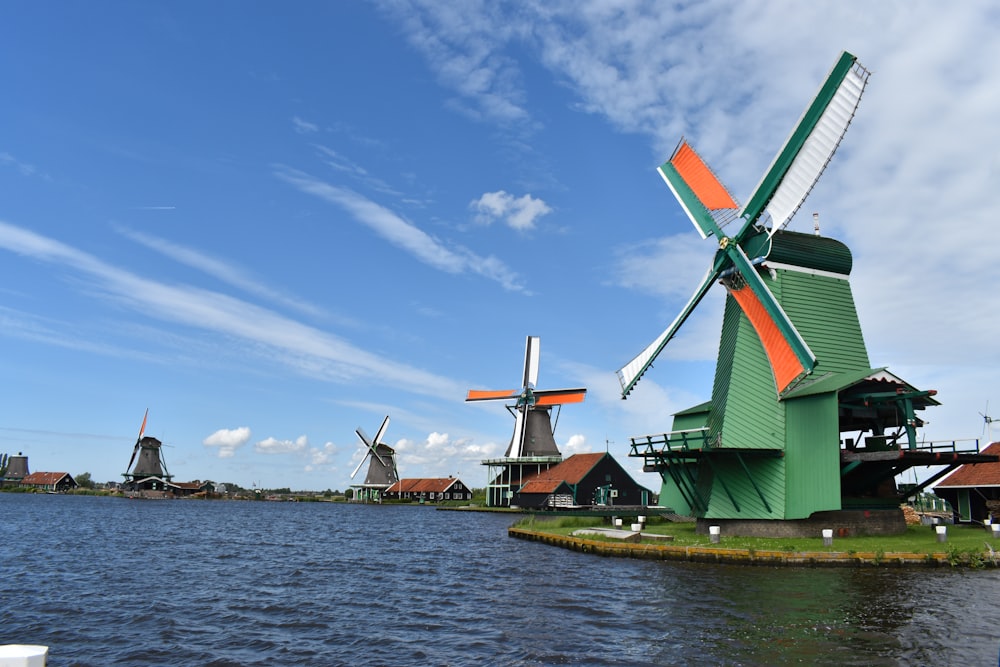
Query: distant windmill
x=150, y=472
x=382, y=471
x=533, y=444
x=987, y=422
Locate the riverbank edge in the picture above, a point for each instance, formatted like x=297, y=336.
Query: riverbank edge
x=700, y=554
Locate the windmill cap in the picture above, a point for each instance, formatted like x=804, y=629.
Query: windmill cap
x=811, y=252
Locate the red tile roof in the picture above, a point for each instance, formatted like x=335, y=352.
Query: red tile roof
x=537, y=485
x=571, y=471
x=43, y=478
x=423, y=485
x=976, y=474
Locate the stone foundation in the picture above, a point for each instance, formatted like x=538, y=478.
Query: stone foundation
x=844, y=523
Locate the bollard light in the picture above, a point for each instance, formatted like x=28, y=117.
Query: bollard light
x=636, y=527
x=942, y=533
x=828, y=537
x=996, y=530
x=713, y=533
x=618, y=522
x=23, y=655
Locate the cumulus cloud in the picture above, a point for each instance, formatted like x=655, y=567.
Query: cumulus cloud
x=228, y=440
x=275, y=446
x=321, y=457
x=518, y=213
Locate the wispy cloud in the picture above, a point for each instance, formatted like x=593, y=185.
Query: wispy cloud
x=304, y=126
x=403, y=234
x=216, y=268
x=23, y=167
x=305, y=349
x=518, y=213
x=464, y=47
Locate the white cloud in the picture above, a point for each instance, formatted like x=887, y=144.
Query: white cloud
x=518, y=213
x=403, y=234
x=228, y=440
x=215, y=267
x=275, y=446
x=304, y=348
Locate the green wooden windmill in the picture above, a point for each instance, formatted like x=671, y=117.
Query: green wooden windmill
x=799, y=423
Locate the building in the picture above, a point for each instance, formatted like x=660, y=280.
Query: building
x=974, y=489
x=595, y=479
x=15, y=470
x=432, y=489
x=50, y=481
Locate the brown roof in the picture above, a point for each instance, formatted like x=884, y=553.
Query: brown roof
x=976, y=474
x=538, y=485
x=44, y=478
x=571, y=471
x=422, y=485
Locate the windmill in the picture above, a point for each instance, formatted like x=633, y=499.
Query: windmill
x=532, y=446
x=798, y=422
x=150, y=471
x=987, y=422
x=382, y=472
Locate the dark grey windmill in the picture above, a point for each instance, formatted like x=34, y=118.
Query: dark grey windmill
x=150, y=470
x=382, y=472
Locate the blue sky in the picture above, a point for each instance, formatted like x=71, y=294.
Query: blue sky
x=271, y=223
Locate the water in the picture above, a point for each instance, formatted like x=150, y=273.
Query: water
x=106, y=581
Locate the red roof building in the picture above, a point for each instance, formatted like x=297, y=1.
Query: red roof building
x=974, y=489
x=582, y=479
x=429, y=489
x=50, y=481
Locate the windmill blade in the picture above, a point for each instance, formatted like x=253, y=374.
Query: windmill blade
x=560, y=396
x=629, y=374
x=517, y=444
x=480, y=395
x=368, y=443
x=787, y=352
x=700, y=193
x=142, y=429
x=135, y=450
x=363, y=459
x=381, y=430
x=810, y=146
x=531, y=348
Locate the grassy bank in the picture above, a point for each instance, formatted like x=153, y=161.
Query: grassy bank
x=965, y=545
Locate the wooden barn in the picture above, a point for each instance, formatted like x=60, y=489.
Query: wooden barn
x=974, y=489
x=582, y=480
x=50, y=481
x=429, y=489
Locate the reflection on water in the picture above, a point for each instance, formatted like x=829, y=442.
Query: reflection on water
x=106, y=581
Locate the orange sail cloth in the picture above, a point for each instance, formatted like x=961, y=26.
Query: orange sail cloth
x=703, y=183
x=785, y=365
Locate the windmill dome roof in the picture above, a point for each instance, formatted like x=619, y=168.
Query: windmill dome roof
x=811, y=252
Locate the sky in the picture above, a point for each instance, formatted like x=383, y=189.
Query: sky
x=272, y=223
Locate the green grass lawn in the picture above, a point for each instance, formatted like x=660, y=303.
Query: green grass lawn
x=961, y=539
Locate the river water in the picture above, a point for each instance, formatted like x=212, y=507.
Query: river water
x=108, y=581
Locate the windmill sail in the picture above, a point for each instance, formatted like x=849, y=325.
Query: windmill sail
x=703, y=197
x=809, y=148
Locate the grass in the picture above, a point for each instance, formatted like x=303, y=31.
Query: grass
x=963, y=543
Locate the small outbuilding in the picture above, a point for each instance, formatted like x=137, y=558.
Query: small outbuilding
x=974, y=489
x=429, y=489
x=582, y=480
x=50, y=481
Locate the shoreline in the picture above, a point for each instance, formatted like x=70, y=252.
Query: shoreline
x=703, y=554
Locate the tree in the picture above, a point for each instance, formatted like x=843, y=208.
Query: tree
x=84, y=481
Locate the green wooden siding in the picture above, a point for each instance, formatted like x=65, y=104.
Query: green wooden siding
x=812, y=455
x=823, y=310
